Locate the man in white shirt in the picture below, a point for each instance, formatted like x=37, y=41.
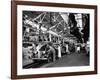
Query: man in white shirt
x=78, y=48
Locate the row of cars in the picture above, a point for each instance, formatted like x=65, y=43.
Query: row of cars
x=41, y=51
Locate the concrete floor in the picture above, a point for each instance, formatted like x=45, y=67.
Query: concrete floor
x=73, y=59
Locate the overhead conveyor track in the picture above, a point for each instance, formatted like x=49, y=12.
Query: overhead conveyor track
x=57, y=19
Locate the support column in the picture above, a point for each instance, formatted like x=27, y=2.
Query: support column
x=67, y=50
x=38, y=47
x=50, y=37
x=59, y=51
